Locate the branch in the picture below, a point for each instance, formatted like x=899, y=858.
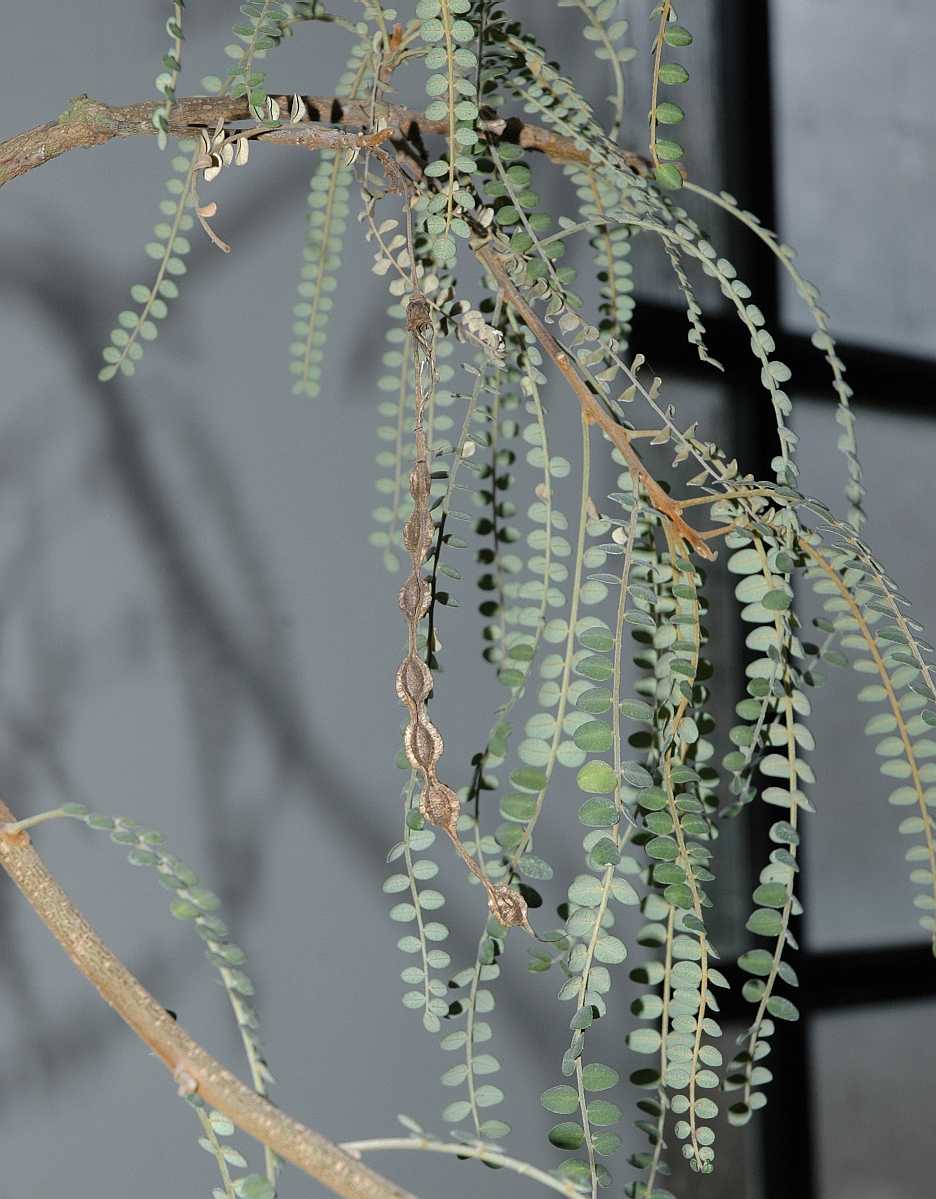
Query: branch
x=194, y=1070
x=667, y=507
x=86, y=122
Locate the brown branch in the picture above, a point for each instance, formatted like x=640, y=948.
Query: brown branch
x=667, y=507
x=193, y=1070
x=86, y=123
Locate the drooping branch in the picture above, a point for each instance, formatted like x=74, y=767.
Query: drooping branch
x=667, y=507
x=86, y=122
x=193, y=1070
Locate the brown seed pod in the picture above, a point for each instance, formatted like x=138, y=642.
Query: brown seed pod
x=414, y=598
x=419, y=481
x=414, y=680
x=423, y=744
x=439, y=805
x=508, y=907
x=418, y=314
x=417, y=534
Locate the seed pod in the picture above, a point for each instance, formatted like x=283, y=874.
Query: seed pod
x=417, y=534
x=414, y=597
x=418, y=315
x=423, y=744
x=414, y=680
x=419, y=481
x=508, y=907
x=439, y=805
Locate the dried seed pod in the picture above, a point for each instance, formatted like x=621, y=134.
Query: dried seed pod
x=417, y=534
x=423, y=744
x=414, y=598
x=419, y=481
x=418, y=314
x=508, y=907
x=439, y=806
x=414, y=680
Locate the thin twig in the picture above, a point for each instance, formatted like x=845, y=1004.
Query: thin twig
x=617, y=434
x=482, y=1153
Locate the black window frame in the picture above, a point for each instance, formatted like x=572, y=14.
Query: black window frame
x=830, y=980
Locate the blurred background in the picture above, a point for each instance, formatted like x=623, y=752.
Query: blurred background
x=196, y=634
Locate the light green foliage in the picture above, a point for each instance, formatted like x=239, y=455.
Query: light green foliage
x=326, y=224
x=495, y=432
x=448, y=31
x=605, y=30
x=194, y=904
x=263, y=28
x=822, y=339
x=589, y=946
x=395, y=442
x=472, y=1075
x=168, y=249
x=665, y=151
x=514, y=204
x=413, y=905
x=611, y=244
x=774, y=738
x=868, y=615
x=167, y=79
x=266, y=24
x=325, y=228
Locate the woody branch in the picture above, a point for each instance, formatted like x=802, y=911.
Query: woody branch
x=192, y=1068
x=86, y=123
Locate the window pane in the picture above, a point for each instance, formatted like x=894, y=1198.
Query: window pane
x=855, y=163
x=858, y=889
x=874, y=1092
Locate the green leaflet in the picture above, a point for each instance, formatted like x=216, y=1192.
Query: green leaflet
x=605, y=33
x=611, y=245
x=168, y=249
x=448, y=31
x=557, y=691
x=873, y=623
x=524, y=609
x=677, y=792
x=822, y=339
x=496, y=429
x=665, y=152
x=266, y=24
x=475, y=1066
x=589, y=946
x=516, y=211
x=167, y=79
x=554, y=99
x=773, y=740
x=414, y=905
x=395, y=440
x=326, y=224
